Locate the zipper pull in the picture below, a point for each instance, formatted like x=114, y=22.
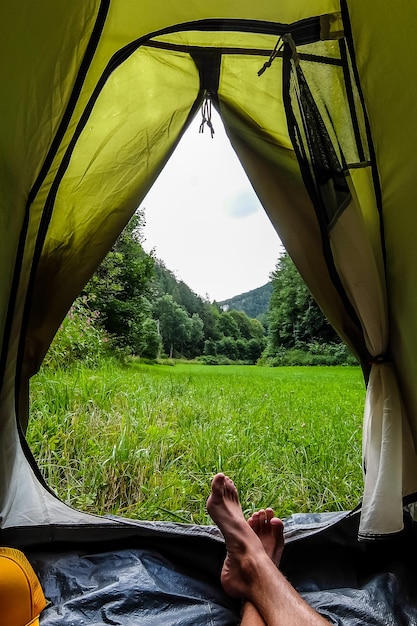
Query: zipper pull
x=206, y=114
x=275, y=52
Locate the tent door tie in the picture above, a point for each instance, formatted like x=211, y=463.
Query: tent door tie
x=206, y=114
x=287, y=39
x=379, y=359
x=275, y=52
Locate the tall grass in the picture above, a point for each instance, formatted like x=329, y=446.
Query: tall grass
x=144, y=440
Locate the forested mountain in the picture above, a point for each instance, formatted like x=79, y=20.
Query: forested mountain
x=254, y=303
x=145, y=311
x=165, y=282
x=213, y=332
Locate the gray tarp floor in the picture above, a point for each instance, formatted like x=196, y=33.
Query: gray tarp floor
x=173, y=579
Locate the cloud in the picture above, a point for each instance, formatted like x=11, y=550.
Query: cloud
x=242, y=204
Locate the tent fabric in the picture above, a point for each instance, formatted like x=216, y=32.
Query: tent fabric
x=176, y=583
x=96, y=97
x=128, y=587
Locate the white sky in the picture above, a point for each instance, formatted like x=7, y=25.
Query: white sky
x=204, y=220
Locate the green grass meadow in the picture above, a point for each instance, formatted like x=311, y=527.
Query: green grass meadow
x=143, y=441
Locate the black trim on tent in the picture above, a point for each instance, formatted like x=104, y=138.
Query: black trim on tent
x=208, y=65
x=13, y=295
x=82, y=72
x=350, y=98
x=323, y=171
x=190, y=545
x=304, y=31
x=103, y=530
x=374, y=169
x=224, y=50
x=73, y=99
x=32, y=462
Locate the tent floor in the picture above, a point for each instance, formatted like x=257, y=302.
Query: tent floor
x=176, y=580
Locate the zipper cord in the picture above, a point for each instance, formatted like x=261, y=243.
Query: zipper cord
x=206, y=114
x=275, y=52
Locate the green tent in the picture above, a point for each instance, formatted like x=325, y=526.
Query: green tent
x=317, y=99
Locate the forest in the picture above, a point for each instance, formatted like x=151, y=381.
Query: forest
x=134, y=306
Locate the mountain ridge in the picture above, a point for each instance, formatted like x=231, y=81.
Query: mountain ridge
x=255, y=303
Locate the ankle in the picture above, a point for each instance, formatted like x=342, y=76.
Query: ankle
x=253, y=566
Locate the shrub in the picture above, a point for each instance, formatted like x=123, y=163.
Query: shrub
x=227, y=347
x=212, y=359
x=310, y=354
x=242, y=349
x=79, y=338
x=209, y=347
x=254, y=349
x=151, y=344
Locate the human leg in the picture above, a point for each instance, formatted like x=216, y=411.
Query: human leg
x=248, y=572
x=251, y=615
x=270, y=531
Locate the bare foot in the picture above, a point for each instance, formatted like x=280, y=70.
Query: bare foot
x=248, y=571
x=244, y=547
x=270, y=531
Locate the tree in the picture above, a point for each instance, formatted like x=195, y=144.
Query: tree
x=174, y=324
x=228, y=326
x=241, y=349
x=227, y=347
x=294, y=317
x=165, y=282
x=249, y=328
x=121, y=287
x=151, y=340
x=195, y=344
x=210, y=348
x=254, y=349
x=210, y=314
